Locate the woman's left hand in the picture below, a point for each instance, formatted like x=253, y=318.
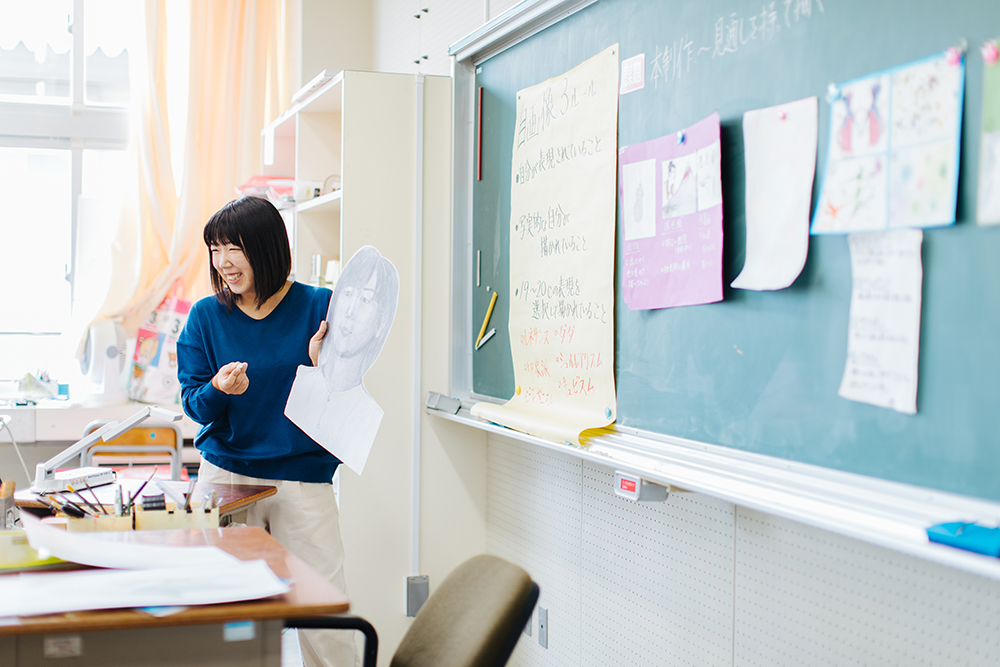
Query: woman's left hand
x=314, y=343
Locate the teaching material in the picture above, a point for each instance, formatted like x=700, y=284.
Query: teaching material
x=562, y=199
x=83, y=549
x=968, y=536
x=486, y=320
x=892, y=158
x=671, y=210
x=190, y=584
x=988, y=204
x=779, y=148
x=329, y=402
x=883, y=339
x=485, y=338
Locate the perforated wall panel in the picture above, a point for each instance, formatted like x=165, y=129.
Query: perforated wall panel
x=808, y=597
x=533, y=514
x=657, y=577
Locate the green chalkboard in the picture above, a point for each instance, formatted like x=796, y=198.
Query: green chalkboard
x=760, y=371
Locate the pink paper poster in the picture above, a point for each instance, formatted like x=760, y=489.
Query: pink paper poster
x=671, y=210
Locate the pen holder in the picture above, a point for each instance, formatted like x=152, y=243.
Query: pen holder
x=172, y=518
x=98, y=524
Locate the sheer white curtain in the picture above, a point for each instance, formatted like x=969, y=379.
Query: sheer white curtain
x=237, y=83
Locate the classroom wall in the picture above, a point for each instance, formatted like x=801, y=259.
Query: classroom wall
x=699, y=581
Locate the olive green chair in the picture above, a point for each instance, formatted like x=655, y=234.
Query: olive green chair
x=473, y=619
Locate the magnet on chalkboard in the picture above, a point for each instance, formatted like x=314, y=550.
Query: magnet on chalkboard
x=989, y=52
x=680, y=138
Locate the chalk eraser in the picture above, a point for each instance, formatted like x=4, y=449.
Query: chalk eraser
x=436, y=401
x=967, y=536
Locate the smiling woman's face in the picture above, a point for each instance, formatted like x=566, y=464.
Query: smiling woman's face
x=355, y=318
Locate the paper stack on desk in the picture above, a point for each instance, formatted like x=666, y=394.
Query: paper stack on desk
x=144, y=576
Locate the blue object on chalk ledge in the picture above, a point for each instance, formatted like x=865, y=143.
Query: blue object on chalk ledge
x=968, y=536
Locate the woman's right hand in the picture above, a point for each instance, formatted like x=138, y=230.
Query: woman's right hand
x=232, y=378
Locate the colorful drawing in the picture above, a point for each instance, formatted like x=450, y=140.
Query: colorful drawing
x=920, y=182
x=893, y=150
x=874, y=117
x=680, y=190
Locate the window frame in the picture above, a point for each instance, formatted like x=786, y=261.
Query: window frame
x=76, y=126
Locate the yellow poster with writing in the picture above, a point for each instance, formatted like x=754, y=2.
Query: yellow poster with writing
x=562, y=254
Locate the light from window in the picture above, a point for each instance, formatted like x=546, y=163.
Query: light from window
x=105, y=45
x=35, y=239
x=35, y=51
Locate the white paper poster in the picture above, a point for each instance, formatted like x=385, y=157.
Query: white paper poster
x=779, y=149
x=892, y=158
x=883, y=337
x=562, y=245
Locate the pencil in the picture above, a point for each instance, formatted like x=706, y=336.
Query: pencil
x=489, y=311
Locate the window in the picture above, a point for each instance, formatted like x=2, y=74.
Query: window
x=64, y=92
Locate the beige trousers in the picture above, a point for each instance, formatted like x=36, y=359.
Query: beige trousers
x=303, y=518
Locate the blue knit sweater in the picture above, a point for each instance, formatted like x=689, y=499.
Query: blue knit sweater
x=249, y=434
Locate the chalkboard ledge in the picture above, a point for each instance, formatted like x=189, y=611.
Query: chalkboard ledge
x=879, y=512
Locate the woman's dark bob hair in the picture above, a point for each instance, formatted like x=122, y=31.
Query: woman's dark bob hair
x=254, y=225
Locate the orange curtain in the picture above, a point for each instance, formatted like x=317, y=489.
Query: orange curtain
x=237, y=84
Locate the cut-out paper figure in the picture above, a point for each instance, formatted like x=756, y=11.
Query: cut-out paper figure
x=329, y=402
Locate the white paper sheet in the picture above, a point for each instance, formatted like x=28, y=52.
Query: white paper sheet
x=96, y=550
x=211, y=583
x=883, y=339
x=779, y=145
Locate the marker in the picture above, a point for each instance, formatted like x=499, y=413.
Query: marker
x=118, y=501
x=485, y=338
x=489, y=311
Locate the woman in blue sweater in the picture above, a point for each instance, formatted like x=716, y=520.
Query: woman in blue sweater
x=237, y=359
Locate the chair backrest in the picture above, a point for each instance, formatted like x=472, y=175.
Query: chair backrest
x=473, y=619
x=149, y=439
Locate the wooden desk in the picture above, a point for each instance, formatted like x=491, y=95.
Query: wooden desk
x=194, y=636
x=232, y=498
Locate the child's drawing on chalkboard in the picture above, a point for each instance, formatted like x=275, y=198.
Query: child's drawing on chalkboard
x=923, y=103
x=680, y=190
x=709, y=176
x=893, y=158
x=858, y=118
x=920, y=183
x=855, y=195
x=639, y=199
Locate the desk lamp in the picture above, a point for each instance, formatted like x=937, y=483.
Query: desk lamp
x=46, y=477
